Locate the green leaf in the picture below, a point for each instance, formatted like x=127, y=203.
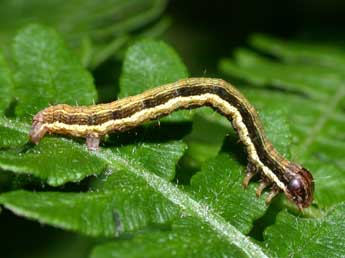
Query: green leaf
x=6, y=85
x=13, y=133
x=278, y=130
x=129, y=205
x=125, y=199
x=298, y=237
x=139, y=197
x=297, y=77
x=113, y=196
x=58, y=161
x=201, y=147
x=149, y=64
x=101, y=22
x=186, y=238
x=54, y=161
x=219, y=186
x=312, y=94
x=324, y=54
x=59, y=167
x=151, y=155
x=136, y=189
x=47, y=73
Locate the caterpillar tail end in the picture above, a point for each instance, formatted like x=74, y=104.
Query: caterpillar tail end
x=38, y=130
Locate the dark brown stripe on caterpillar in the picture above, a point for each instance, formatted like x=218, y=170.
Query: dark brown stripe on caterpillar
x=93, y=122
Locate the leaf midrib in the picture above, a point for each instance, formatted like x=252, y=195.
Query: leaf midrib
x=186, y=203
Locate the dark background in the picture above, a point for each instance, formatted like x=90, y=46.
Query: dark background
x=204, y=31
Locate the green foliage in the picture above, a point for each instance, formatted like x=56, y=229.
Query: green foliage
x=128, y=197
x=151, y=155
x=14, y=133
x=145, y=57
x=186, y=239
x=308, y=237
x=46, y=72
x=6, y=85
x=306, y=82
x=55, y=161
x=124, y=204
x=309, y=87
x=219, y=186
x=95, y=29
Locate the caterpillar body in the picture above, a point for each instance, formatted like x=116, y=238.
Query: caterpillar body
x=93, y=122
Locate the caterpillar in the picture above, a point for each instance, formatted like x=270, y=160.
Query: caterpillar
x=94, y=122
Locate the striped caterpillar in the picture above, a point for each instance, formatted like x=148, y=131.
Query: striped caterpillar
x=93, y=122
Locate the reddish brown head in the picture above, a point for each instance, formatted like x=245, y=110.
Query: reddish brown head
x=300, y=187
